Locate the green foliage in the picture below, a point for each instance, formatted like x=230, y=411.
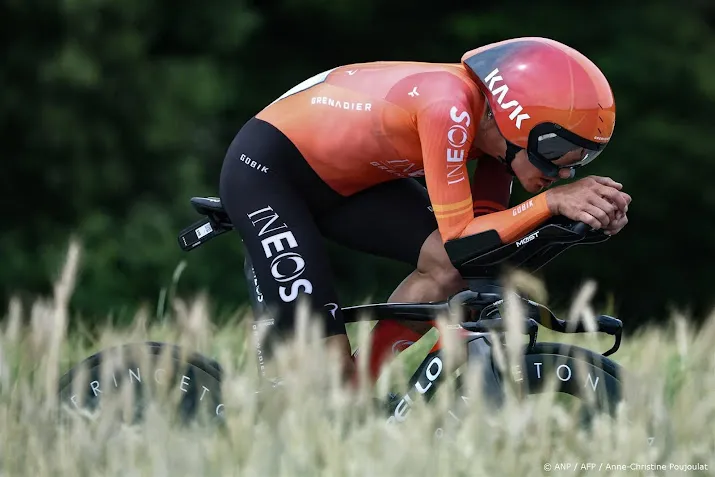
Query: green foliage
x=115, y=113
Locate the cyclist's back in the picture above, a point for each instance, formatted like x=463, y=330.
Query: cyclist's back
x=363, y=124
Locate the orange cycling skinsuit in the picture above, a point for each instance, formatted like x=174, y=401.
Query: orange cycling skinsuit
x=336, y=157
x=364, y=124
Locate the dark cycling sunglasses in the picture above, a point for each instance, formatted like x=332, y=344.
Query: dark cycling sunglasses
x=549, y=142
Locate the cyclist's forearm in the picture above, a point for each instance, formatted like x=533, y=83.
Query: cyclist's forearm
x=511, y=223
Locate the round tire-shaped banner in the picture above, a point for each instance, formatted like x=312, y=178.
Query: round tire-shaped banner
x=125, y=377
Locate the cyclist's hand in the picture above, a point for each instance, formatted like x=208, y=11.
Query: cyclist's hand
x=594, y=200
x=617, y=225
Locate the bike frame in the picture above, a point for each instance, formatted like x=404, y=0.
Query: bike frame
x=476, y=336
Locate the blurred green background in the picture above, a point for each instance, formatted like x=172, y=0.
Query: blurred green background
x=115, y=113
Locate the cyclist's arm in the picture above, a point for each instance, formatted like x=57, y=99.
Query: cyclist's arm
x=444, y=153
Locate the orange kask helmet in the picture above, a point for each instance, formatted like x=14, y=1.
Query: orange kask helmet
x=546, y=98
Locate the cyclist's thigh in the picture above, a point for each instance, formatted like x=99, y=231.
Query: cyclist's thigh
x=390, y=220
x=277, y=228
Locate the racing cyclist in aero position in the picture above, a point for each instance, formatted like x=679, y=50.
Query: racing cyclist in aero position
x=336, y=156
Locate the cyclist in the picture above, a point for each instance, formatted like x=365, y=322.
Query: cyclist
x=336, y=156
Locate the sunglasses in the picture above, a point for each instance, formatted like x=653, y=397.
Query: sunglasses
x=549, y=142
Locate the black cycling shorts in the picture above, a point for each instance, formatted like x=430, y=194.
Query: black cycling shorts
x=283, y=211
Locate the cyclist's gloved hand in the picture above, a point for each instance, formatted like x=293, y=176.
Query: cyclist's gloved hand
x=594, y=200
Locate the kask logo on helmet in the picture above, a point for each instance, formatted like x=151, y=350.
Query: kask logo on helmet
x=500, y=94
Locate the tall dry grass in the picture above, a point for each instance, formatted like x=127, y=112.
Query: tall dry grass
x=313, y=427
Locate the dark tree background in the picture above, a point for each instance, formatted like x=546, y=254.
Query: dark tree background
x=114, y=113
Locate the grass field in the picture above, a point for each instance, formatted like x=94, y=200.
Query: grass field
x=316, y=428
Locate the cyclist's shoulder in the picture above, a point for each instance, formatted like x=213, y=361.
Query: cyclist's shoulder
x=449, y=77
x=446, y=75
x=449, y=84
x=449, y=87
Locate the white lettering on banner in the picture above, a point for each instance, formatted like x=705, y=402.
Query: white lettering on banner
x=522, y=207
x=564, y=374
x=500, y=93
x=341, y=104
x=273, y=244
x=184, y=385
x=457, y=138
x=526, y=240
x=399, y=168
x=253, y=164
x=184, y=382
x=434, y=369
x=156, y=375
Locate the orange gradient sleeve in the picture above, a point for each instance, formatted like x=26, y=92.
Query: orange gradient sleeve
x=514, y=223
x=446, y=130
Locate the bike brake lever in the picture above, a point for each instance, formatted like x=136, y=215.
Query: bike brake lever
x=604, y=324
x=612, y=326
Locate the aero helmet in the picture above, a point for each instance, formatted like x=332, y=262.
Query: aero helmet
x=546, y=98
